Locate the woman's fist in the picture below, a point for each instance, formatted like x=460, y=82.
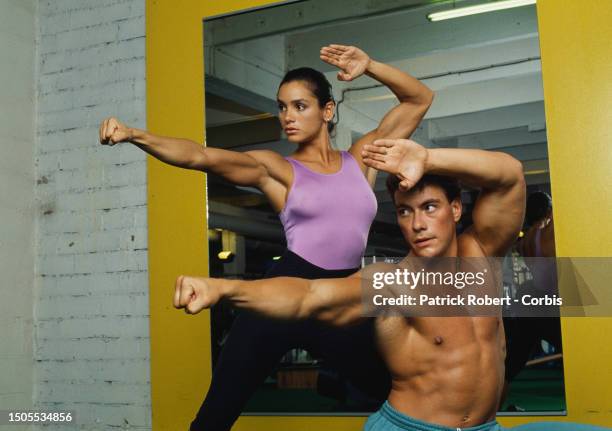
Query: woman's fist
x=113, y=131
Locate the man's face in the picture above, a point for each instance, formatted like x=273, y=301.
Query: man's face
x=428, y=220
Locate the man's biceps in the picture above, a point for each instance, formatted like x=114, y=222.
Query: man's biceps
x=316, y=300
x=493, y=238
x=351, y=314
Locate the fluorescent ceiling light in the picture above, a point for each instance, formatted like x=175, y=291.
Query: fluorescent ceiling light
x=472, y=10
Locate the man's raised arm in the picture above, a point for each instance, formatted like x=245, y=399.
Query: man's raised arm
x=499, y=210
x=336, y=301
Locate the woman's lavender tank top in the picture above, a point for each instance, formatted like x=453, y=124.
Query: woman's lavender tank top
x=327, y=217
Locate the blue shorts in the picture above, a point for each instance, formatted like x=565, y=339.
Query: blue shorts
x=389, y=419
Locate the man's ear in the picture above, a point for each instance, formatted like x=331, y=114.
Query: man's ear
x=457, y=209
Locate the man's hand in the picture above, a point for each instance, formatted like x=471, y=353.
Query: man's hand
x=112, y=131
x=195, y=293
x=351, y=60
x=401, y=157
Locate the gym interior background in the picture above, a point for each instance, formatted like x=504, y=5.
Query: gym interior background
x=486, y=72
x=92, y=238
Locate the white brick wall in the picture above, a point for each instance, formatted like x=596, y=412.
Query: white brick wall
x=17, y=208
x=92, y=336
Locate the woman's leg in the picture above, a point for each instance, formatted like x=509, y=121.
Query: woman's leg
x=253, y=348
x=352, y=353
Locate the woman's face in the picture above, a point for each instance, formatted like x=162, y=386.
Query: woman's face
x=300, y=115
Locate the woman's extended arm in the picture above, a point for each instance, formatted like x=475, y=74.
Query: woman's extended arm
x=415, y=99
x=246, y=169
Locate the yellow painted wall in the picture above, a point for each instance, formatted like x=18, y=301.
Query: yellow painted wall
x=577, y=64
x=576, y=68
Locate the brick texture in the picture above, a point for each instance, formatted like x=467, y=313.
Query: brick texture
x=91, y=347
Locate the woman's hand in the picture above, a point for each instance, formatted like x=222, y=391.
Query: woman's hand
x=401, y=157
x=351, y=60
x=113, y=131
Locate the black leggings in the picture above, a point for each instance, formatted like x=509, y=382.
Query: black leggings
x=255, y=345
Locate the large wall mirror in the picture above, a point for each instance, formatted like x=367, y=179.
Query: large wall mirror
x=485, y=70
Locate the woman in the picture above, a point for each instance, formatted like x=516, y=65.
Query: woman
x=326, y=207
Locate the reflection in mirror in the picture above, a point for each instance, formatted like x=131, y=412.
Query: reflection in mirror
x=485, y=71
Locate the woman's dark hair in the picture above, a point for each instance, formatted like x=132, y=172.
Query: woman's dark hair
x=538, y=205
x=450, y=185
x=317, y=83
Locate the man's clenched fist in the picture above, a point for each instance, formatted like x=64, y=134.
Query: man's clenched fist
x=195, y=293
x=113, y=131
